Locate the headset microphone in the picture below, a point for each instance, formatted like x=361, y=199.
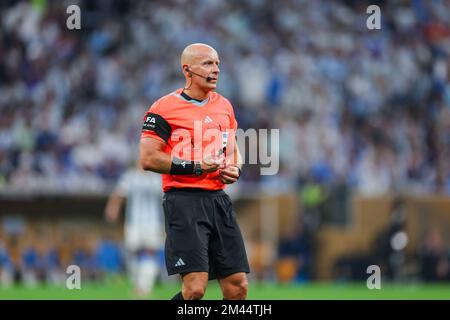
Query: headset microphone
x=208, y=78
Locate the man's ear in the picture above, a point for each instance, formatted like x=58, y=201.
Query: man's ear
x=187, y=70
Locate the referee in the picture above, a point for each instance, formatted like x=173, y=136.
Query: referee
x=189, y=137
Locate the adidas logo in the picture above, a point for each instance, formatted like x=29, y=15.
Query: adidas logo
x=180, y=263
x=208, y=119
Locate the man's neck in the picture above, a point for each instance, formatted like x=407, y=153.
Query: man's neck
x=197, y=94
x=188, y=97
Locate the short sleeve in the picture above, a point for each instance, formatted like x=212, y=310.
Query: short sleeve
x=155, y=126
x=229, y=106
x=234, y=123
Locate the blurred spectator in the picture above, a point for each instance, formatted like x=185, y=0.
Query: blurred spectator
x=391, y=242
x=295, y=255
x=434, y=259
x=388, y=250
x=312, y=197
x=52, y=266
x=144, y=228
x=32, y=267
x=6, y=267
x=84, y=257
x=109, y=257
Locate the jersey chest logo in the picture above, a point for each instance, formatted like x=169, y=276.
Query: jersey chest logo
x=207, y=120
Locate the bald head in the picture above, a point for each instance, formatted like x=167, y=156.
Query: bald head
x=195, y=52
x=200, y=65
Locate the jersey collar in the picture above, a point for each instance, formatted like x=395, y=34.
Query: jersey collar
x=185, y=97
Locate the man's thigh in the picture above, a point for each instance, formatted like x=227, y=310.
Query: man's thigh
x=187, y=235
x=227, y=252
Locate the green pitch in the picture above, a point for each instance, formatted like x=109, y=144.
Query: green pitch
x=120, y=289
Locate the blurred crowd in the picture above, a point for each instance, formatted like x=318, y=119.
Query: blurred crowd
x=42, y=261
x=369, y=109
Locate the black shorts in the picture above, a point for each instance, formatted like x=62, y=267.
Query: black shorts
x=202, y=234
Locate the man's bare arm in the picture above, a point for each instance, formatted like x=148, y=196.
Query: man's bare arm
x=113, y=206
x=152, y=156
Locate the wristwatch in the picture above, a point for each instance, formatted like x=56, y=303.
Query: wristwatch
x=198, y=171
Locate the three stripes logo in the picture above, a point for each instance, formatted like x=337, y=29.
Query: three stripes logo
x=207, y=119
x=180, y=263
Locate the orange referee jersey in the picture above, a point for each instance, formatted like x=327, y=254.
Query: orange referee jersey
x=191, y=130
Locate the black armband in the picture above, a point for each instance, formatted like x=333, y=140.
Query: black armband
x=180, y=166
x=156, y=123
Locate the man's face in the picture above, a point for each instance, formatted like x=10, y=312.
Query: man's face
x=207, y=65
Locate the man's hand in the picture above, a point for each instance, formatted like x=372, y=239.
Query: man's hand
x=230, y=174
x=213, y=163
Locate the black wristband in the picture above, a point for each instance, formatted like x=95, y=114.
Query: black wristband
x=180, y=166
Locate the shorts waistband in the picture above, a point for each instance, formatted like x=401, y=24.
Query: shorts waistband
x=195, y=191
